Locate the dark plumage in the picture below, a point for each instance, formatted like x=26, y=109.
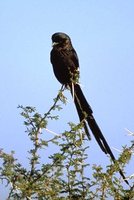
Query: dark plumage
x=66, y=69
x=66, y=66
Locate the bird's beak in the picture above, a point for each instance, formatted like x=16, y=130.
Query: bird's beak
x=54, y=44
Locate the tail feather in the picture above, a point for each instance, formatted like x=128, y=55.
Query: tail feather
x=80, y=112
x=85, y=113
x=99, y=136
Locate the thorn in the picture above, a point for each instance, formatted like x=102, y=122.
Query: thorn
x=72, y=90
x=129, y=132
x=117, y=149
x=52, y=132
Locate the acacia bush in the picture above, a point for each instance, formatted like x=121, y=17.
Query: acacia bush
x=62, y=175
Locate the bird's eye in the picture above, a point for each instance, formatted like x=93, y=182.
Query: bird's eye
x=64, y=39
x=61, y=40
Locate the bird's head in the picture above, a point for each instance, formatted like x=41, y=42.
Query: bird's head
x=60, y=39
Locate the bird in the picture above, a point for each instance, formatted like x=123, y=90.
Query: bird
x=65, y=64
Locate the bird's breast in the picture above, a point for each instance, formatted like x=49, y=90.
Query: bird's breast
x=63, y=65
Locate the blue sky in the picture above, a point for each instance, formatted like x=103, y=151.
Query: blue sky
x=102, y=34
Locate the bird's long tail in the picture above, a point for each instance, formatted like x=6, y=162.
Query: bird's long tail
x=82, y=115
x=85, y=114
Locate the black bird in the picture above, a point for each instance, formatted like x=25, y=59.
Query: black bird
x=66, y=69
